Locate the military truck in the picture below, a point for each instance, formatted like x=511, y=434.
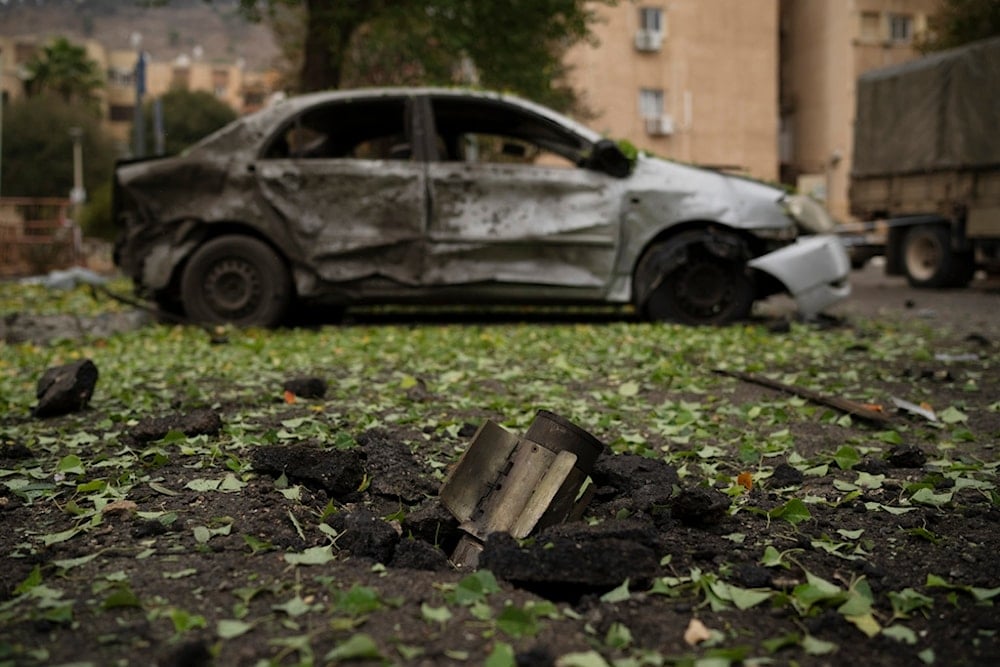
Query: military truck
x=926, y=168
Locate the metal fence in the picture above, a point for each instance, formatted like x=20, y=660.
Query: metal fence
x=36, y=236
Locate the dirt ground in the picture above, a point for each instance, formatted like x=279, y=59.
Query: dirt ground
x=384, y=592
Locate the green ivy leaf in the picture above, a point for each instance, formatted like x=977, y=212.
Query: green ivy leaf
x=358, y=647
x=502, y=655
x=952, y=415
x=619, y=594
x=846, y=457
x=229, y=628
x=794, y=512
x=311, y=556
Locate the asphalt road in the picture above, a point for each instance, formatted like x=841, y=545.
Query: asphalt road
x=975, y=309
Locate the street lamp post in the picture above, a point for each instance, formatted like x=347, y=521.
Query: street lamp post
x=78, y=195
x=139, y=126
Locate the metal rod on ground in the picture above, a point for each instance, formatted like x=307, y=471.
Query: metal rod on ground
x=844, y=405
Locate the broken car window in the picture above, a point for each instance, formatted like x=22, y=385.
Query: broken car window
x=488, y=131
x=368, y=130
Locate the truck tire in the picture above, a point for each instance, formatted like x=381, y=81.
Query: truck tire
x=929, y=261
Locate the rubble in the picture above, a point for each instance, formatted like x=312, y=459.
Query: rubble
x=65, y=389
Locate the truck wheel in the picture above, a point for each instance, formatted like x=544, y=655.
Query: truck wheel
x=236, y=280
x=929, y=261
x=682, y=280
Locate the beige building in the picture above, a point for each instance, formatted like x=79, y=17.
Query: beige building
x=826, y=44
x=230, y=82
x=763, y=87
x=691, y=80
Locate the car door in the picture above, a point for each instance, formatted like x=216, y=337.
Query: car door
x=509, y=207
x=345, y=179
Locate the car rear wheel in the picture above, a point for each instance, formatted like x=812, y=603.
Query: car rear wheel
x=694, y=280
x=236, y=280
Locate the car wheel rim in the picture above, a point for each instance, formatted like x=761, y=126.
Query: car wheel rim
x=704, y=290
x=922, y=258
x=232, y=288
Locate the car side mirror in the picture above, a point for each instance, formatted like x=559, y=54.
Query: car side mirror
x=607, y=157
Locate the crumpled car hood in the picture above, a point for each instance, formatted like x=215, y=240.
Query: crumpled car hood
x=691, y=192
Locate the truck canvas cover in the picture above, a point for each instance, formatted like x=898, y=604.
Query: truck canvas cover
x=938, y=112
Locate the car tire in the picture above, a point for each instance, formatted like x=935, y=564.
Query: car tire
x=236, y=280
x=929, y=261
x=684, y=280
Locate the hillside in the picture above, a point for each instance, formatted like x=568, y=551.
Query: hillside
x=167, y=31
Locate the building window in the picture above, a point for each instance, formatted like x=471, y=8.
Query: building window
x=900, y=27
x=119, y=113
x=181, y=78
x=24, y=52
x=651, y=102
x=651, y=19
x=871, y=26
x=122, y=78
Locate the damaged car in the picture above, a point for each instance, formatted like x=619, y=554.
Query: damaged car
x=452, y=196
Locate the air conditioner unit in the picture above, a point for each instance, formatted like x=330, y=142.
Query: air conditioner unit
x=660, y=126
x=648, y=40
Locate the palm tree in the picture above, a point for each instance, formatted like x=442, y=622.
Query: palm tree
x=64, y=69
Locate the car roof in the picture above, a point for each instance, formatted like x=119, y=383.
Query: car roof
x=298, y=103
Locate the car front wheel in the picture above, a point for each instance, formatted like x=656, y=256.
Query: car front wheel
x=236, y=280
x=691, y=281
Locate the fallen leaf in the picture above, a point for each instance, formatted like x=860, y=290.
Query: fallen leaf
x=745, y=479
x=289, y=397
x=696, y=632
x=120, y=507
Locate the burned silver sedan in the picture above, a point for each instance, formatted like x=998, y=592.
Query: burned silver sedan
x=447, y=196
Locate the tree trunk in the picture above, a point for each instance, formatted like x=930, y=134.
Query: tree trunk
x=330, y=24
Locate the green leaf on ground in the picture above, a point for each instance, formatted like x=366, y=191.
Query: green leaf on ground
x=794, y=512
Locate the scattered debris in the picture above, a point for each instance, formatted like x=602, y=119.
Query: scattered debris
x=66, y=279
x=414, y=554
x=514, y=485
x=922, y=410
x=844, y=405
x=338, y=472
x=947, y=357
x=700, y=506
x=45, y=329
x=65, y=389
x=979, y=339
x=871, y=465
x=392, y=470
x=906, y=456
x=644, y=482
x=202, y=421
x=306, y=387
x=14, y=452
x=364, y=535
x=785, y=475
x=568, y=561
x=696, y=633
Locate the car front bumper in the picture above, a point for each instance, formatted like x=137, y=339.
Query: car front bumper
x=814, y=271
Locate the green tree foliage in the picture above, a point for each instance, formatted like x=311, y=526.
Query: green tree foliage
x=187, y=117
x=516, y=45
x=64, y=69
x=959, y=22
x=38, y=148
